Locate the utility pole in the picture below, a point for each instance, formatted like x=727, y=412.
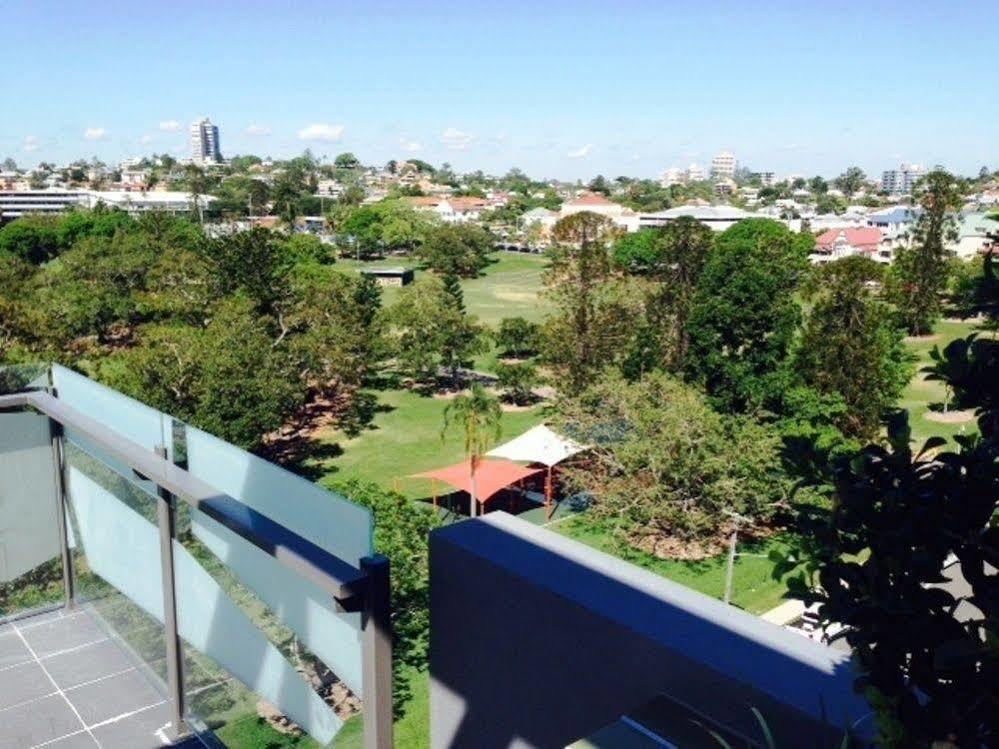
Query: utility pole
x=732, y=541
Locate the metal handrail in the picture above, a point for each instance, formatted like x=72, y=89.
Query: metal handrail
x=343, y=581
x=364, y=588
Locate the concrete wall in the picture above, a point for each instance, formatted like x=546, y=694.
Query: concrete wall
x=537, y=641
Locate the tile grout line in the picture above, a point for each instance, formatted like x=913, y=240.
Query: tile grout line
x=55, y=653
x=58, y=689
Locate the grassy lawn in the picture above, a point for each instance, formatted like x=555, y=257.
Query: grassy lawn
x=403, y=439
x=920, y=393
x=753, y=589
x=509, y=286
x=412, y=731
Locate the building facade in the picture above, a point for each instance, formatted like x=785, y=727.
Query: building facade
x=901, y=181
x=723, y=166
x=205, y=147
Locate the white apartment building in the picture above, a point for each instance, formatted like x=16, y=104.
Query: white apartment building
x=16, y=203
x=767, y=179
x=723, y=165
x=672, y=176
x=694, y=173
x=205, y=147
x=901, y=181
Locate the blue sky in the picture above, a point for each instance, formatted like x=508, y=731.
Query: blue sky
x=560, y=89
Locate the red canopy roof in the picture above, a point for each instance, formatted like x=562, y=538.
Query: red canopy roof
x=491, y=476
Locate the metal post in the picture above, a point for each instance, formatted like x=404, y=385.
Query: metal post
x=376, y=628
x=174, y=647
x=731, y=563
x=62, y=517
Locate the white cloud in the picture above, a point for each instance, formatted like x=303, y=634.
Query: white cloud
x=581, y=153
x=170, y=126
x=322, y=131
x=456, y=139
x=255, y=129
x=410, y=146
x=30, y=143
x=95, y=133
x=146, y=139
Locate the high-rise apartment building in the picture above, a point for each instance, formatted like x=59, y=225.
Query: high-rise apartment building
x=205, y=142
x=723, y=165
x=901, y=181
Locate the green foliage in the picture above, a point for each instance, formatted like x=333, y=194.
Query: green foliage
x=388, y=225
x=33, y=239
x=664, y=464
x=429, y=331
x=851, y=347
x=226, y=378
x=462, y=249
x=254, y=262
x=346, y=161
x=401, y=531
x=517, y=380
x=518, y=337
x=743, y=316
x=919, y=273
x=851, y=180
x=480, y=417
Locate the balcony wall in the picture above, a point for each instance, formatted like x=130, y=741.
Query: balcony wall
x=537, y=641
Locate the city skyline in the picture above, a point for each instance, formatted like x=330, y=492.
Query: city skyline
x=568, y=91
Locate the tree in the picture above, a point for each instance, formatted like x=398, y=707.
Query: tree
x=33, y=239
x=674, y=257
x=226, y=378
x=402, y=529
x=255, y=262
x=462, y=249
x=372, y=230
x=851, y=180
x=851, y=346
x=665, y=467
x=744, y=316
x=919, y=273
x=599, y=184
x=480, y=417
x=518, y=337
x=346, y=161
x=579, y=338
x=517, y=380
x=429, y=331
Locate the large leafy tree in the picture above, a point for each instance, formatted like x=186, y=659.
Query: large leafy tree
x=585, y=331
x=743, y=316
x=851, y=180
x=462, y=249
x=919, y=274
x=851, y=346
x=666, y=467
x=430, y=331
x=874, y=562
x=674, y=257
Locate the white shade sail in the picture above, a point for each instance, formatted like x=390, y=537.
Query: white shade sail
x=538, y=445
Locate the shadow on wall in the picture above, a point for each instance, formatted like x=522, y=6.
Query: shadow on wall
x=538, y=641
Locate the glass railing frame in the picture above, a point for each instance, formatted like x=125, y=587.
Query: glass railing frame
x=364, y=588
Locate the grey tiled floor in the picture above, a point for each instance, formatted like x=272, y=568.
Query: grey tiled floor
x=65, y=685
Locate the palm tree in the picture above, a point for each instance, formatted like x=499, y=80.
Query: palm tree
x=480, y=415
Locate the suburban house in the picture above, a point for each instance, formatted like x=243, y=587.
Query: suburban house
x=834, y=244
x=976, y=235
x=594, y=202
x=716, y=217
x=452, y=210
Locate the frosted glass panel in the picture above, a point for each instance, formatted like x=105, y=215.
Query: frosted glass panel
x=130, y=418
x=29, y=534
x=327, y=520
x=334, y=637
x=122, y=548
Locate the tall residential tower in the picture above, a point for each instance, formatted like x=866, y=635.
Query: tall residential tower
x=205, y=142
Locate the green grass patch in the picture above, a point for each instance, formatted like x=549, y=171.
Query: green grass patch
x=412, y=731
x=405, y=438
x=753, y=587
x=921, y=393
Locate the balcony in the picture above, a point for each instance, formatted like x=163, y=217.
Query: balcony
x=159, y=587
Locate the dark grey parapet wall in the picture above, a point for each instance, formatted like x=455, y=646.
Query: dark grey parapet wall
x=537, y=640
